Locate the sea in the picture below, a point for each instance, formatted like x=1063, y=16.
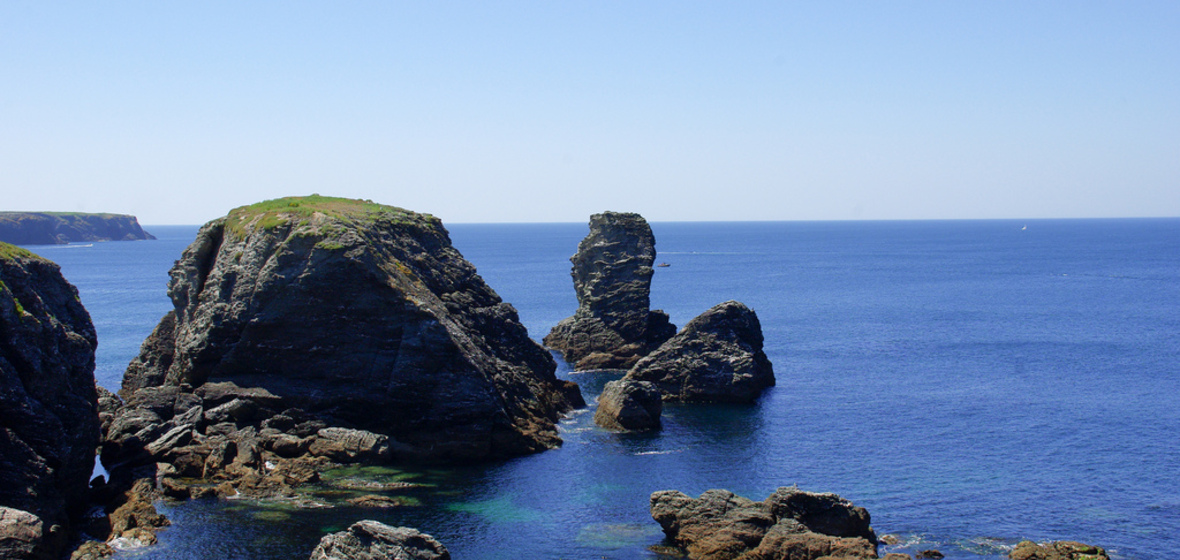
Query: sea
x=970, y=383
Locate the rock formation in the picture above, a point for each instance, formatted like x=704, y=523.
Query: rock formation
x=49, y=228
x=48, y=405
x=614, y=325
x=1059, y=550
x=789, y=524
x=310, y=330
x=626, y=404
x=716, y=357
x=370, y=540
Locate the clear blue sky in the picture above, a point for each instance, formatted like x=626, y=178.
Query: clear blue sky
x=550, y=111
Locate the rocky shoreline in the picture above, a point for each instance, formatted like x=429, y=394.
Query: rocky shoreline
x=313, y=334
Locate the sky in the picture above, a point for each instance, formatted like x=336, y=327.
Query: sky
x=550, y=111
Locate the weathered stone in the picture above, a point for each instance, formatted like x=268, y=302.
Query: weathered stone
x=345, y=445
x=612, y=270
x=376, y=501
x=720, y=525
x=92, y=550
x=1058, y=550
x=315, y=313
x=716, y=357
x=49, y=422
x=370, y=540
x=626, y=404
x=23, y=536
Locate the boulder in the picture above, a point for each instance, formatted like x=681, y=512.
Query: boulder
x=49, y=423
x=23, y=536
x=370, y=540
x=720, y=525
x=716, y=357
x=1058, y=550
x=334, y=328
x=612, y=270
x=626, y=404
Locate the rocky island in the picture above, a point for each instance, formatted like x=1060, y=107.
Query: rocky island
x=49, y=426
x=614, y=326
x=56, y=228
x=310, y=330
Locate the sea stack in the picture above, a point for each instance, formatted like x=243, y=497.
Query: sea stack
x=49, y=424
x=316, y=328
x=716, y=357
x=614, y=326
x=49, y=228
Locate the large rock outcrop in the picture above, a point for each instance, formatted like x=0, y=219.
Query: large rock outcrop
x=716, y=357
x=320, y=329
x=49, y=228
x=630, y=405
x=612, y=270
x=792, y=524
x=49, y=424
x=371, y=540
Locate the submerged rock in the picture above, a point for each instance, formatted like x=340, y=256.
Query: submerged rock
x=335, y=329
x=49, y=425
x=370, y=540
x=626, y=404
x=612, y=270
x=716, y=357
x=48, y=228
x=1058, y=550
x=720, y=525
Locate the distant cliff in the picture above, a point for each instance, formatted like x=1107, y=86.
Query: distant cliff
x=55, y=228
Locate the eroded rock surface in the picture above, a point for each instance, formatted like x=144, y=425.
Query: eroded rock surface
x=314, y=330
x=1058, y=550
x=716, y=357
x=720, y=525
x=626, y=404
x=370, y=540
x=612, y=270
x=49, y=424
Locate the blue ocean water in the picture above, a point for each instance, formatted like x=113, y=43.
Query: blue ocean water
x=971, y=383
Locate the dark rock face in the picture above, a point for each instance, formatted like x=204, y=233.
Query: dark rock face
x=716, y=357
x=614, y=325
x=42, y=228
x=370, y=540
x=789, y=524
x=626, y=404
x=48, y=403
x=1059, y=550
x=314, y=330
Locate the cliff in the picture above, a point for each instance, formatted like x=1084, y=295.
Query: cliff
x=49, y=425
x=50, y=228
x=612, y=270
x=316, y=327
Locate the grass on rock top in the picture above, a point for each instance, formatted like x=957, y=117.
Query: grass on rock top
x=270, y=214
x=8, y=251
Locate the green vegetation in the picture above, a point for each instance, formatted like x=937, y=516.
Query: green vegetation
x=20, y=309
x=270, y=214
x=8, y=251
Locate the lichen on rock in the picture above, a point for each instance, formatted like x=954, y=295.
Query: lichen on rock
x=325, y=328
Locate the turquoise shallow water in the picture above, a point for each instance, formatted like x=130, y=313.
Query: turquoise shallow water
x=970, y=383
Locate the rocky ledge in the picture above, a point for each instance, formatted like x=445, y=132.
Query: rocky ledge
x=372, y=540
x=716, y=357
x=313, y=330
x=720, y=525
x=48, y=411
x=50, y=228
x=1059, y=550
x=612, y=270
